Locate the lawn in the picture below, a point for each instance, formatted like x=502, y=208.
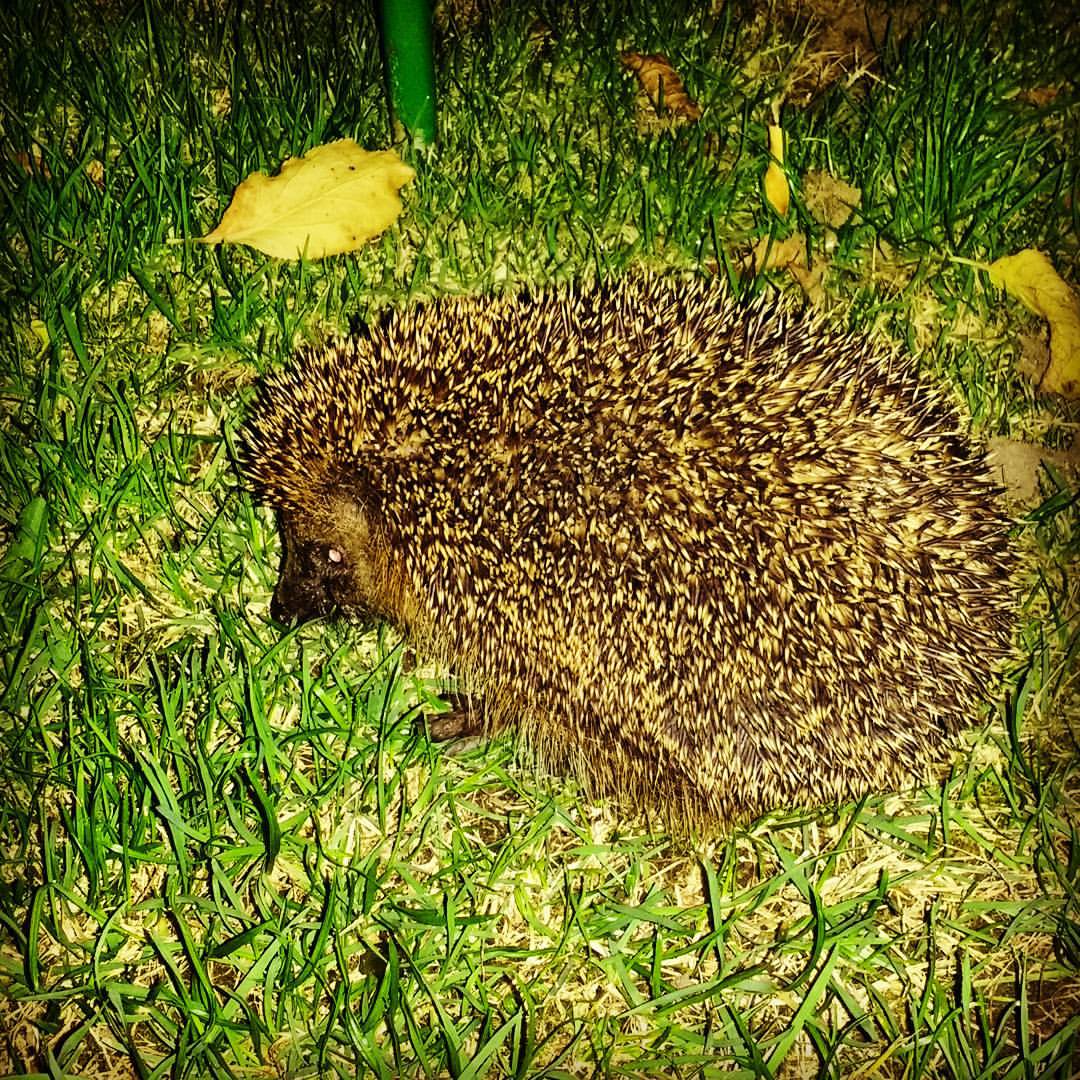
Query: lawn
x=232, y=851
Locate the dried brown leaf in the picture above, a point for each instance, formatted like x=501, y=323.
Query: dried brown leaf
x=790, y=254
x=770, y=254
x=1039, y=96
x=33, y=162
x=662, y=85
x=1017, y=465
x=830, y=200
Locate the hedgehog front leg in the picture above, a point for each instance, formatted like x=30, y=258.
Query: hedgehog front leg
x=463, y=721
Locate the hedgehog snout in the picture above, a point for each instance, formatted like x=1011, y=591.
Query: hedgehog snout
x=328, y=567
x=308, y=567
x=297, y=602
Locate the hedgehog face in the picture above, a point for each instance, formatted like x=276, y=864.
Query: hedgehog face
x=329, y=566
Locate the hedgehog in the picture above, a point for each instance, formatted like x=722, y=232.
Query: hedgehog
x=706, y=556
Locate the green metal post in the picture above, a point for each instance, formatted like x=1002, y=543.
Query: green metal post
x=405, y=26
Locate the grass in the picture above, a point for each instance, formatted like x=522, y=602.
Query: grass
x=227, y=852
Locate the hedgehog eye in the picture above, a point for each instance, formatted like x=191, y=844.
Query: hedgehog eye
x=334, y=555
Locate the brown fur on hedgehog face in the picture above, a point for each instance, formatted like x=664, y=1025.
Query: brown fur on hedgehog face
x=332, y=563
x=318, y=571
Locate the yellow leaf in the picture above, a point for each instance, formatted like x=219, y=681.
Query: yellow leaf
x=333, y=199
x=777, y=191
x=1030, y=276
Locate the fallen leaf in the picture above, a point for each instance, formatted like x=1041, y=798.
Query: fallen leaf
x=1029, y=275
x=1017, y=466
x=220, y=102
x=1039, y=96
x=662, y=85
x=770, y=254
x=830, y=200
x=333, y=199
x=790, y=255
x=33, y=162
x=1034, y=356
x=812, y=282
x=837, y=42
x=777, y=192
x=95, y=173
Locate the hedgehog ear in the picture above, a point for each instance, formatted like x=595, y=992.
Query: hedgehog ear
x=351, y=513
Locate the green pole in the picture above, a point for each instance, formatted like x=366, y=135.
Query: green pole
x=405, y=26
